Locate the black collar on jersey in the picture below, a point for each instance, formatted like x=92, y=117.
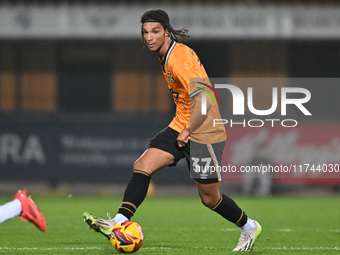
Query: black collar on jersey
x=167, y=54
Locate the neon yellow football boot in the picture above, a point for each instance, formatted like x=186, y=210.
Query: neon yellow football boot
x=100, y=225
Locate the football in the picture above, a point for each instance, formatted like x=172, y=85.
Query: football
x=127, y=237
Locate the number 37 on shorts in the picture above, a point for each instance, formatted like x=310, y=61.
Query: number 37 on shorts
x=205, y=160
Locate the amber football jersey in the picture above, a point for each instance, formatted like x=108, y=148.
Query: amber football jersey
x=181, y=67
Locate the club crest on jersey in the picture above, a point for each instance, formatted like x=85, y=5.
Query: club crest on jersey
x=171, y=79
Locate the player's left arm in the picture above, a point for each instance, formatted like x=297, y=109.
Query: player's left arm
x=189, y=72
x=196, y=117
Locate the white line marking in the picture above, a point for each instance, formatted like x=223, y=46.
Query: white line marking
x=163, y=248
x=50, y=248
x=299, y=248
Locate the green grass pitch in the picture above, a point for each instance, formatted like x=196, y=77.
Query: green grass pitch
x=180, y=225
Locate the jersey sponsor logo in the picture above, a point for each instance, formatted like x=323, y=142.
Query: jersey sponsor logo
x=176, y=98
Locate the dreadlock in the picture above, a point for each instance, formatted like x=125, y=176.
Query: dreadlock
x=163, y=18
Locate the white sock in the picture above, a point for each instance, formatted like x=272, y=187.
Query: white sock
x=120, y=218
x=248, y=226
x=10, y=210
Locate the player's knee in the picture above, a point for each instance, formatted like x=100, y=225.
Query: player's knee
x=208, y=201
x=142, y=165
x=139, y=165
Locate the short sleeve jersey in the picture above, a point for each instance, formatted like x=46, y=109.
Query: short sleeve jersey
x=180, y=64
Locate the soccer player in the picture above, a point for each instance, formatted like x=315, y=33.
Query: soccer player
x=189, y=135
x=24, y=207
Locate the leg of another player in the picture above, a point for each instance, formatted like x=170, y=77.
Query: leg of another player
x=23, y=206
x=152, y=160
x=10, y=210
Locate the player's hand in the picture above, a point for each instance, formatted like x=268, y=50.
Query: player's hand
x=182, y=138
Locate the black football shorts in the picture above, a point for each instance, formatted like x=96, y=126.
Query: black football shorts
x=204, y=160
